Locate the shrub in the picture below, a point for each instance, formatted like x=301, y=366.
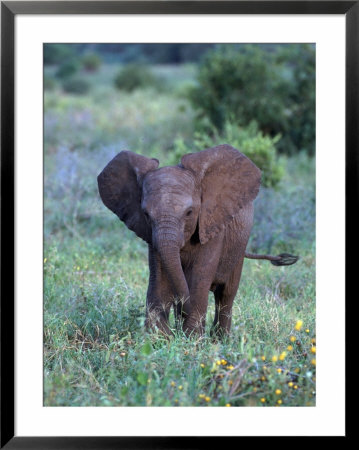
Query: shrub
x=275, y=86
x=67, y=69
x=91, y=62
x=299, y=89
x=76, y=86
x=57, y=53
x=249, y=140
x=135, y=76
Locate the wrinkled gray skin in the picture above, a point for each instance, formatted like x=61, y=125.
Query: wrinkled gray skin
x=196, y=219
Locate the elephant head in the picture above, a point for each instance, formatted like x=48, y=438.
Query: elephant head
x=168, y=206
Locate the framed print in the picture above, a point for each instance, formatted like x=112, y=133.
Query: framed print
x=222, y=135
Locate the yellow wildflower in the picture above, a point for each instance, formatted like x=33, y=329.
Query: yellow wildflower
x=278, y=391
x=203, y=365
x=173, y=384
x=230, y=367
x=298, y=325
x=313, y=341
x=279, y=402
x=279, y=370
x=263, y=358
x=307, y=330
x=180, y=387
x=290, y=347
x=292, y=339
x=208, y=399
x=230, y=382
x=313, y=349
x=223, y=362
x=228, y=404
x=218, y=363
x=282, y=356
x=291, y=384
x=295, y=387
x=274, y=358
x=45, y=259
x=263, y=400
x=313, y=361
x=201, y=395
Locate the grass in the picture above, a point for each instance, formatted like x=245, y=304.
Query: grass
x=96, y=350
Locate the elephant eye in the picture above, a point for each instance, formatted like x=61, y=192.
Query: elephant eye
x=189, y=212
x=147, y=216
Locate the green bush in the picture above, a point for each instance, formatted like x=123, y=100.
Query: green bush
x=76, y=86
x=67, y=69
x=135, y=76
x=91, y=62
x=275, y=86
x=299, y=91
x=249, y=140
x=57, y=53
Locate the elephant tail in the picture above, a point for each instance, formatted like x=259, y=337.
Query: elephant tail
x=284, y=259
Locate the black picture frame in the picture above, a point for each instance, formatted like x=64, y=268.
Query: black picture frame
x=9, y=10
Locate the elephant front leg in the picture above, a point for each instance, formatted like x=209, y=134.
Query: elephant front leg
x=157, y=314
x=160, y=296
x=195, y=313
x=200, y=277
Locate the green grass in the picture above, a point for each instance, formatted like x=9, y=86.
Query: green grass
x=96, y=350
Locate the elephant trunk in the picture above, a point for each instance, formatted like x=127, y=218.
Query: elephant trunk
x=168, y=241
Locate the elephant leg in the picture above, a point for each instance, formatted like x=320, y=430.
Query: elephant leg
x=157, y=317
x=224, y=296
x=195, y=314
x=159, y=296
x=199, y=278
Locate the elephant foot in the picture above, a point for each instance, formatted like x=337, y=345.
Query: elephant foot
x=194, y=327
x=158, y=322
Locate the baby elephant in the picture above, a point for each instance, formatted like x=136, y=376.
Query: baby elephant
x=196, y=218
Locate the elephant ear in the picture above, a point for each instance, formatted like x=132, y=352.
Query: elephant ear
x=120, y=187
x=229, y=181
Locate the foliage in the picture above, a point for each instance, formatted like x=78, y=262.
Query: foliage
x=137, y=121
x=57, y=53
x=67, y=69
x=76, y=85
x=91, y=61
x=173, y=53
x=286, y=216
x=135, y=76
x=274, y=88
x=249, y=140
x=299, y=91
